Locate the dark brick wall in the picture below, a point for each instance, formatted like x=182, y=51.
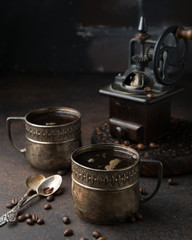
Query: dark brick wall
x=78, y=35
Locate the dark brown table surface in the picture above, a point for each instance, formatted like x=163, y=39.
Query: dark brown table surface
x=167, y=216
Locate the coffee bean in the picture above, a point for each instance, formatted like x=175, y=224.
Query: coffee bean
x=143, y=191
x=153, y=145
x=140, y=146
x=126, y=143
x=62, y=172
x=96, y=234
x=10, y=205
x=102, y=238
x=146, y=154
x=132, y=219
x=47, y=206
x=29, y=221
x=34, y=218
x=59, y=192
x=40, y=221
x=47, y=190
x=149, y=95
x=66, y=220
x=84, y=238
x=68, y=232
x=138, y=216
x=14, y=201
x=147, y=89
x=50, y=198
x=28, y=215
x=21, y=218
x=172, y=182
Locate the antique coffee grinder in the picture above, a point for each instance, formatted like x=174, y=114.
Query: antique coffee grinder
x=140, y=98
x=140, y=102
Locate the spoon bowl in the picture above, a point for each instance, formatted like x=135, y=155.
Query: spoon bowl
x=34, y=181
x=49, y=185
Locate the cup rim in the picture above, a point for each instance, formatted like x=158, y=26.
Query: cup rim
x=73, y=112
x=102, y=146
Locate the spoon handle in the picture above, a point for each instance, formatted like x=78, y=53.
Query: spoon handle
x=11, y=216
x=30, y=198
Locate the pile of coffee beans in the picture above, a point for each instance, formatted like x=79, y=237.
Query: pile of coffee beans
x=175, y=146
x=30, y=219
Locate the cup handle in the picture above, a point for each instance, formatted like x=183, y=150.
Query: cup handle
x=10, y=120
x=160, y=175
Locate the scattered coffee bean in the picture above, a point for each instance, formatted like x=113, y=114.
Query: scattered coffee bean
x=102, y=238
x=126, y=143
x=143, y=191
x=147, y=89
x=34, y=218
x=153, y=145
x=14, y=201
x=96, y=234
x=84, y=238
x=146, y=154
x=68, y=232
x=50, y=198
x=149, y=95
x=172, y=182
x=47, y=206
x=140, y=146
x=28, y=215
x=10, y=205
x=62, y=172
x=138, y=216
x=40, y=221
x=47, y=190
x=132, y=219
x=21, y=218
x=66, y=220
x=29, y=221
x=59, y=192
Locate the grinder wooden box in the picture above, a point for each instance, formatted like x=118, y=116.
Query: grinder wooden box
x=139, y=119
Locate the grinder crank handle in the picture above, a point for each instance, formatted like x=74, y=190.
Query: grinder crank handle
x=184, y=33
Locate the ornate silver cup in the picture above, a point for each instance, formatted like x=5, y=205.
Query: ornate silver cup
x=52, y=134
x=107, y=196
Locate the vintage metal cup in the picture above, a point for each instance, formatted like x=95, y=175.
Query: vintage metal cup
x=108, y=196
x=52, y=134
